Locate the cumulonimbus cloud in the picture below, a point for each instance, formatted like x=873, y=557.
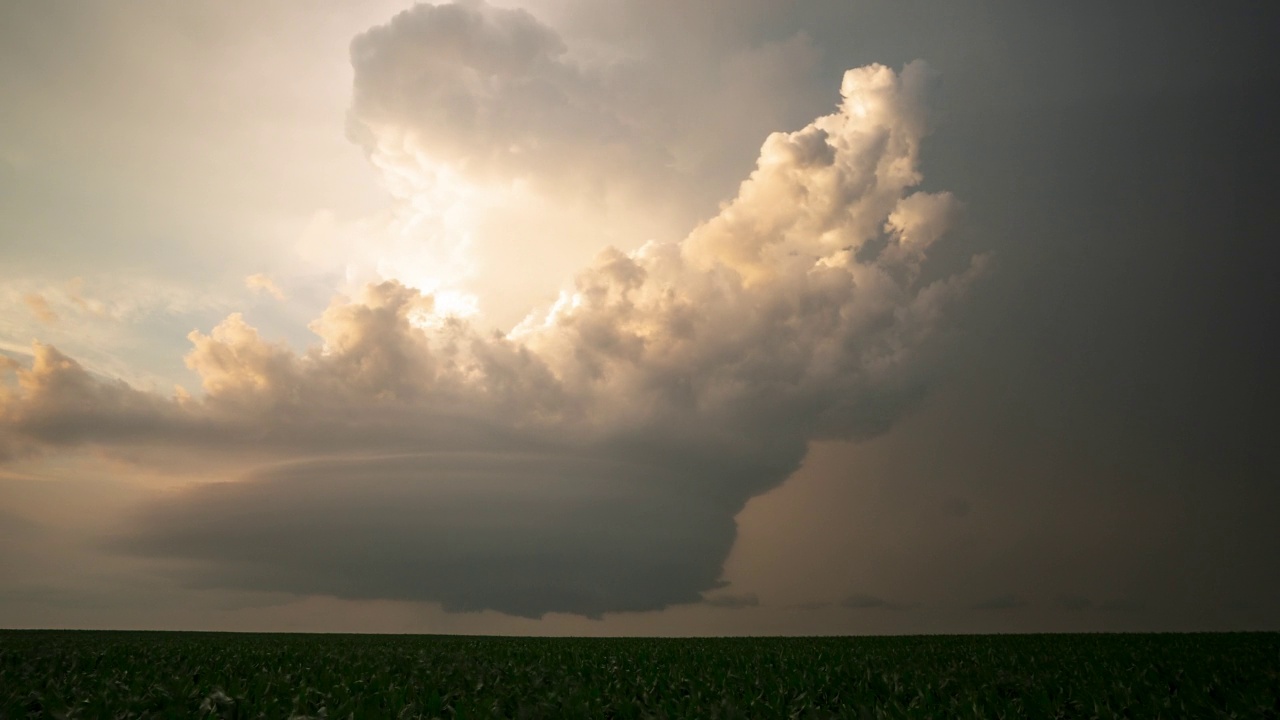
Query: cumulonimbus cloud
x=491, y=93
x=593, y=459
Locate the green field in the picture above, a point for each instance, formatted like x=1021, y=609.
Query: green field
x=178, y=675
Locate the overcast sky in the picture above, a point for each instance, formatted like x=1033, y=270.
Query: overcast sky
x=639, y=316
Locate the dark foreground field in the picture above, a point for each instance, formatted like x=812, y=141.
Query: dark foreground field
x=180, y=675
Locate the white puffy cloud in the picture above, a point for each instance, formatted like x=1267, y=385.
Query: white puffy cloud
x=593, y=459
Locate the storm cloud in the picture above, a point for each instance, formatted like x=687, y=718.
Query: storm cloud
x=1088, y=430
x=520, y=533
x=593, y=459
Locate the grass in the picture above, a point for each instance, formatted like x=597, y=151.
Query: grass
x=65, y=674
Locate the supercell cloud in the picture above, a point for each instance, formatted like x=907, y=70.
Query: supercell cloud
x=591, y=460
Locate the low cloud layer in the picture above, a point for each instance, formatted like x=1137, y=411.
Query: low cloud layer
x=593, y=459
x=520, y=533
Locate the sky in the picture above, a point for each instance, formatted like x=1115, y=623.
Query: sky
x=639, y=317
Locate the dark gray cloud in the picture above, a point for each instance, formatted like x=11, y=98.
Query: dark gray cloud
x=521, y=534
x=1108, y=416
x=1119, y=345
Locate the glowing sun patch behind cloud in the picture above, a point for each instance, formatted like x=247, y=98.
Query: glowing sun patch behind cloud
x=428, y=244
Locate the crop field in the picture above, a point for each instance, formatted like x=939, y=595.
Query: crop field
x=64, y=674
